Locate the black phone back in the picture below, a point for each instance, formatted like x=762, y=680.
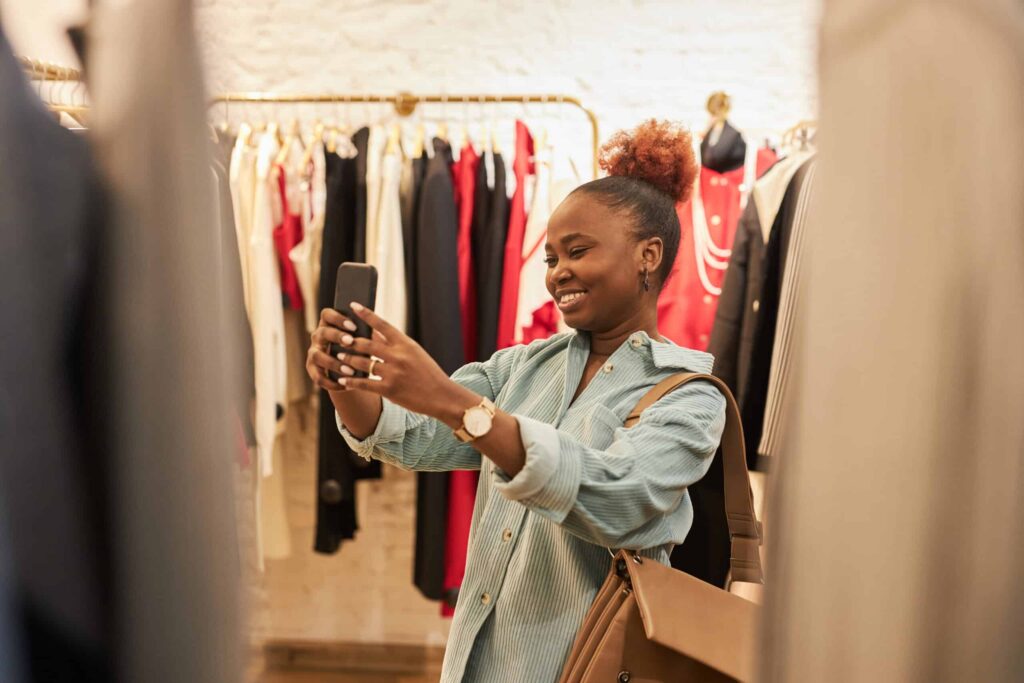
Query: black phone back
x=355, y=282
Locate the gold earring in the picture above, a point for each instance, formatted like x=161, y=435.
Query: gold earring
x=647, y=282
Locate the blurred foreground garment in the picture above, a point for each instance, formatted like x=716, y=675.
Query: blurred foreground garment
x=897, y=534
x=169, y=379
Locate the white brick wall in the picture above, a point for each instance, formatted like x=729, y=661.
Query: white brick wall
x=626, y=60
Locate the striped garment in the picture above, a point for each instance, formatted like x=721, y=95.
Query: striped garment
x=789, y=306
x=537, y=546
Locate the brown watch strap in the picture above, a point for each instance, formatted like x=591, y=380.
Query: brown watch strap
x=744, y=529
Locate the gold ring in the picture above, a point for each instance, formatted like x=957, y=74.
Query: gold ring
x=373, y=363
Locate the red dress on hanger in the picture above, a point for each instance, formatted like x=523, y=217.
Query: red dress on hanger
x=465, y=186
x=522, y=167
x=687, y=304
x=462, y=484
x=287, y=234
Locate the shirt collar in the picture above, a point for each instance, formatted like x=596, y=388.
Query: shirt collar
x=666, y=354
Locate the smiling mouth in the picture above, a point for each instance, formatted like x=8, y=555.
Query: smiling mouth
x=570, y=300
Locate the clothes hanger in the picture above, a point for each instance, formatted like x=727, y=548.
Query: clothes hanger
x=465, y=124
x=495, y=148
x=245, y=132
x=394, y=139
x=225, y=126
x=318, y=136
x=289, y=141
x=442, y=127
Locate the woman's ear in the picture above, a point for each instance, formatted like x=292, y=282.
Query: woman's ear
x=652, y=253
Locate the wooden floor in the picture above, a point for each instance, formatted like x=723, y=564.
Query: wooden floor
x=313, y=676
x=316, y=662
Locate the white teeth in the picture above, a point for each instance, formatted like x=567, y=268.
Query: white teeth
x=569, y=298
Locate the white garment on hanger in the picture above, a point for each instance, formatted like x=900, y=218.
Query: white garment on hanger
x=388, y=255
x=306, y=254
x=242, y=181
x=771, y=188
x=267, y=315
x=376, y=142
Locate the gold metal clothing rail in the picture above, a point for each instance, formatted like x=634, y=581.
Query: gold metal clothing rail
x=38, y=70
x=405, y=103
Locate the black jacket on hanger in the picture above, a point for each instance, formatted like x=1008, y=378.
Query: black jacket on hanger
x=739, y=306
x=759, y=374
x=361, y=140
x=729, y=152
x=490, y=225
x=360, y=468
x=336, y=463
x=440, y=333
x=410, y=204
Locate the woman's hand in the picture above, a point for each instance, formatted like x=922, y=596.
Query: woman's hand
x=408, y=376
x=331, y=328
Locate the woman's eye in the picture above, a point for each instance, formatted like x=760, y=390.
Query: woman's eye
x=551, y=261
x=576, y=253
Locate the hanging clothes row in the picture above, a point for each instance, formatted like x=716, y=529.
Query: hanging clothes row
x=753, y=236
x=451, y=251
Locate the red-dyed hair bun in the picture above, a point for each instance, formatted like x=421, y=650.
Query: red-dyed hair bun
x=657, y=152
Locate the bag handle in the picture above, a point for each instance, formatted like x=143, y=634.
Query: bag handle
x=744, y=529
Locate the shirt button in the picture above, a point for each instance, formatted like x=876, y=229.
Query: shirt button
x=485, y=598
x=708, y=298
x=716, y=220
x=608, y=368
x=506, y=535
x=756, y=306
x=637, y=342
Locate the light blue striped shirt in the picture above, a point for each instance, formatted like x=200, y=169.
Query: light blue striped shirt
x=537, y=545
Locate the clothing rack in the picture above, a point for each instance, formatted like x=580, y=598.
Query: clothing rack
x=405, y=103
x=38, y=70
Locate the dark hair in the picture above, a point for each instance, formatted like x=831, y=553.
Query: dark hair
x=650, y=169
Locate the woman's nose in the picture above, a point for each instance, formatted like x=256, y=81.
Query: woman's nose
x=560, y=274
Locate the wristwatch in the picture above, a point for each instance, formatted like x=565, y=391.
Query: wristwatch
x=476, y=421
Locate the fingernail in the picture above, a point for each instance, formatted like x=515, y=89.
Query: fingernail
x=356, y=306
x=349, y=325
x=342, y=381
x=341, y=357
x=346, y=370
x=346, y=339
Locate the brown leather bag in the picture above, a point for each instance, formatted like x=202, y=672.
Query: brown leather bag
x=650, y=622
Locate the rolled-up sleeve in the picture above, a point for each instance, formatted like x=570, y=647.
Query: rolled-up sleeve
x=416, y=442
x=633, y=493
x=391, y=427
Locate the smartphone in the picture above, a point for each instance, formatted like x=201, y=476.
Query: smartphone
x=356, y=282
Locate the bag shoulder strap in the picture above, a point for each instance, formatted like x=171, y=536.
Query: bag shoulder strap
x=744, y=529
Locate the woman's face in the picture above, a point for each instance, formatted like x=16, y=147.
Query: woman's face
x=595, y=264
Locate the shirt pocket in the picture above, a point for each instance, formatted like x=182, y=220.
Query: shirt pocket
x=600, y=427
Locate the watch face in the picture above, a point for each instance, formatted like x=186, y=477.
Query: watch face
x=477, y=421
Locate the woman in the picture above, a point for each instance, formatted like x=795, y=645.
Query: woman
x=561, y=481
